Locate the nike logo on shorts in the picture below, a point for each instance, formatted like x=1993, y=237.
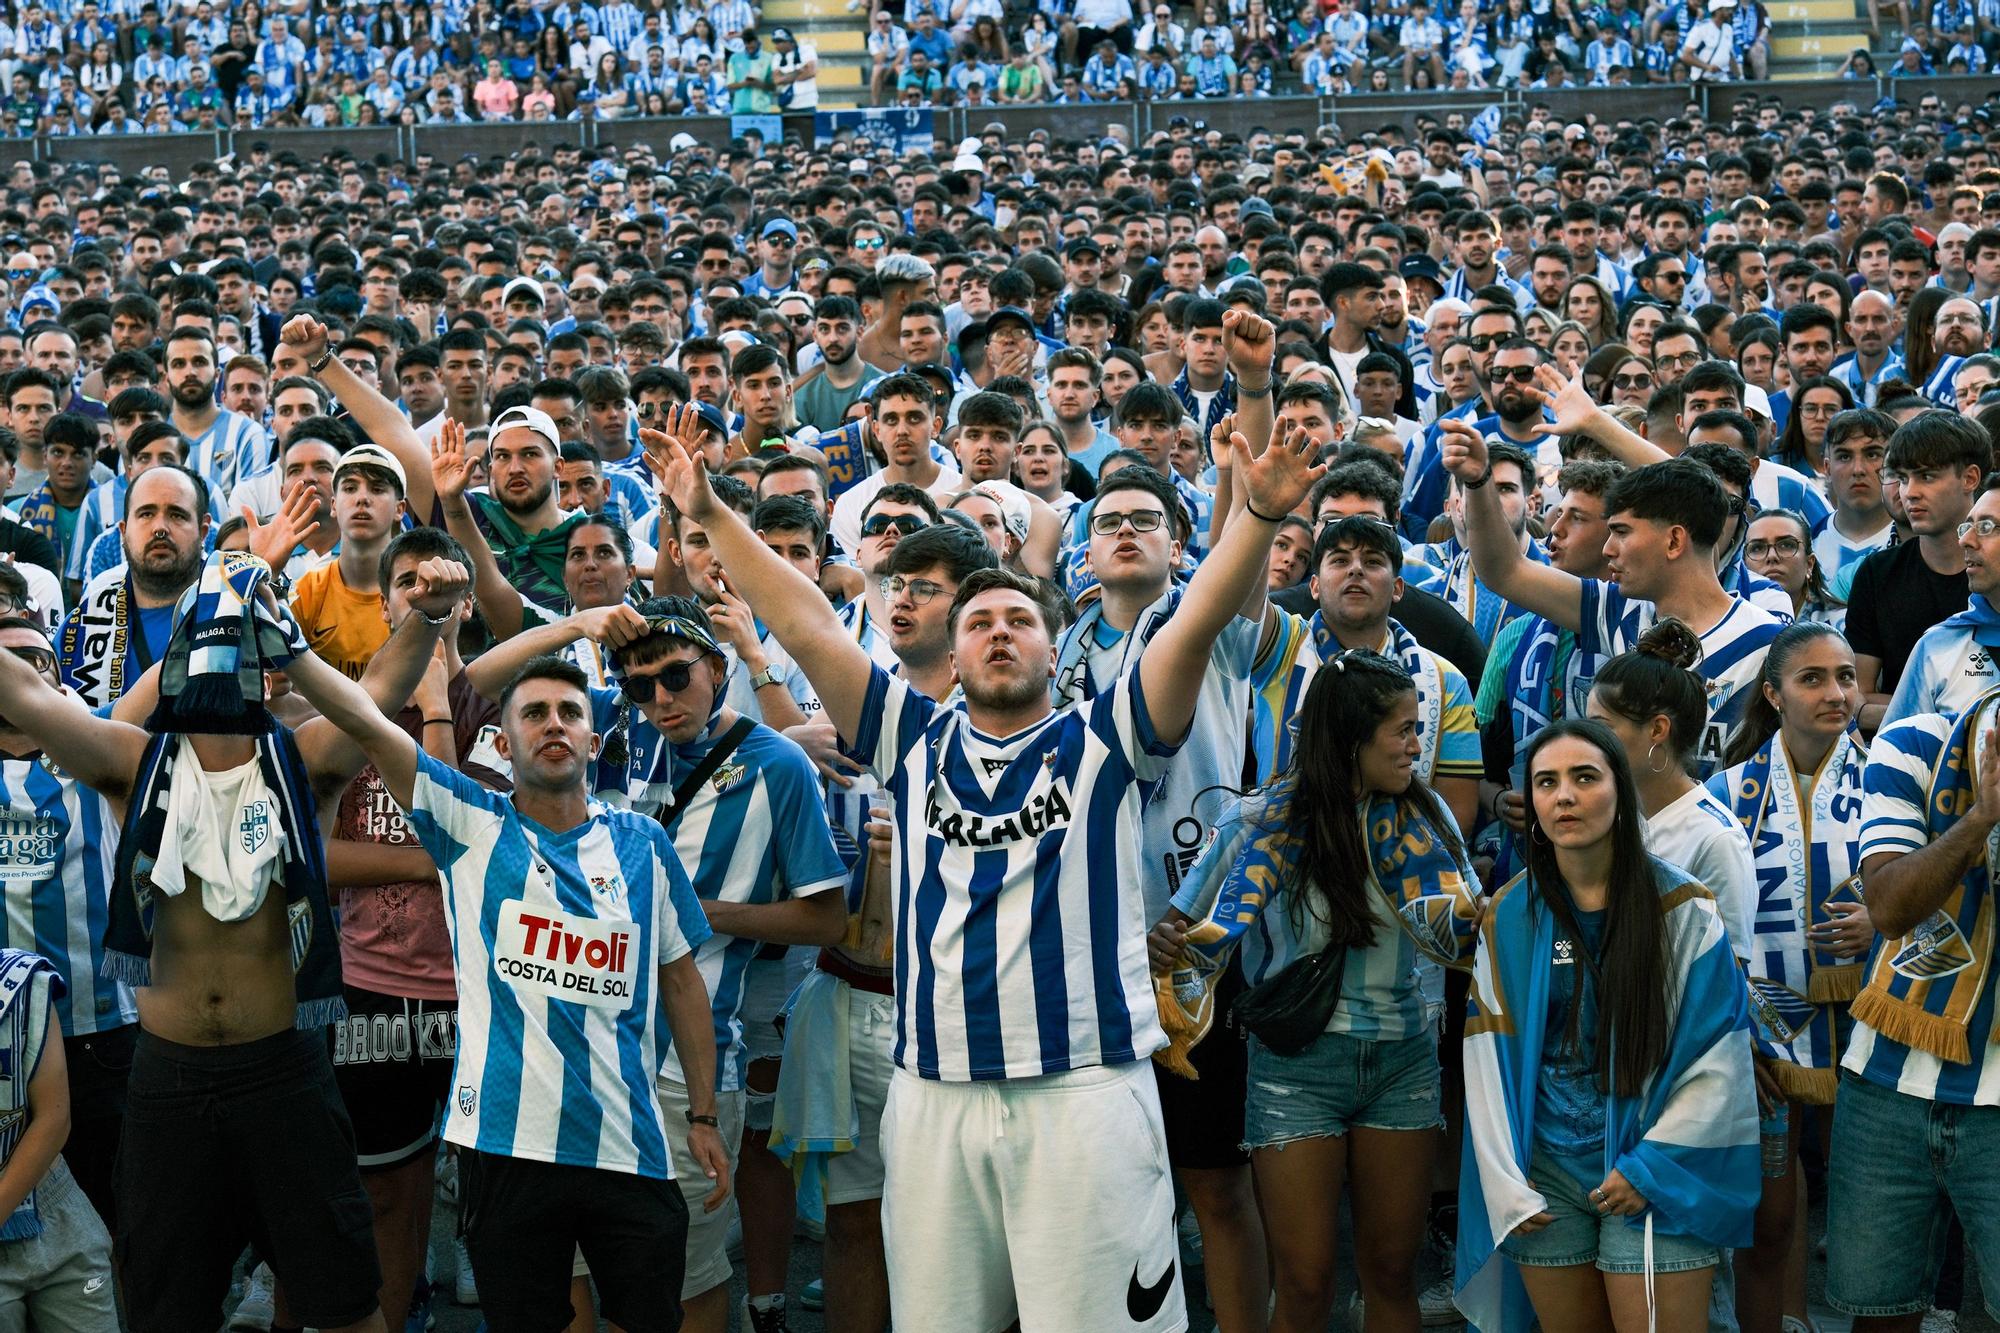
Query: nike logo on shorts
x=1142, y=1302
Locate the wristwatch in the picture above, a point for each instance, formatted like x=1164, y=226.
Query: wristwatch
x=708, y=1120
x=770, y=675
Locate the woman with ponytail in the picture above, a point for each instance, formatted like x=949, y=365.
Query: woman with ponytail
x=1346, y=851
x=1653, y=702
x=1795, y=785
x=1611, y=1127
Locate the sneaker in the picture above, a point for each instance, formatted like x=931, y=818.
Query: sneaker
x=1434, y=1302
x=465, y=1288
x=447, y=1178
x=255, y=1310
x=1793, y=1324
x=1190, y=1234
x=1357, y=1313
x=770, y=1320
x=1939, y=1321
x=421, y=1318
x=812, y=1296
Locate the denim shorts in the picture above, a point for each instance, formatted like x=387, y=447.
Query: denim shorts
x=1895, y=1162
x=1340, y=1083
x=1582, y=1235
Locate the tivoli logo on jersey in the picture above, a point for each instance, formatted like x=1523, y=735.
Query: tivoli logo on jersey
x=585, y=960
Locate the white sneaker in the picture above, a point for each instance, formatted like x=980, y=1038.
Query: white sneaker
x=1434, y=1304
x=1189, y=1229
x=1939, y=1321
x=256, y=1310
x=464, y=1287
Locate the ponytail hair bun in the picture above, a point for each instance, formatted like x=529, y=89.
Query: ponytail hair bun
x=1672, y=642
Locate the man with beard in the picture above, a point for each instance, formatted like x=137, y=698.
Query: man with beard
x=1478, y=243
x=1960, y=332
x=824, y=395
x=1076, y=380
x=224, y=447
x=1871, y=327
x=121, y=626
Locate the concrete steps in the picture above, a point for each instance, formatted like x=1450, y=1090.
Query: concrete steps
x=840, y=37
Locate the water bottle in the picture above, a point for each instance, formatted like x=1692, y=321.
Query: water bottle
x=1771, y=1140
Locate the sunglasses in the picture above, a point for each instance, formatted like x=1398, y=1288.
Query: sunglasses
x=875, y=244
x=1519, y=374
x=673, y=678
x=1486, y=342
x=1631, y=381
x=900, y=524
x=780, y=239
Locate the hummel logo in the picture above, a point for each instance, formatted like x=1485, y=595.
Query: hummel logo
x=1141, y=1302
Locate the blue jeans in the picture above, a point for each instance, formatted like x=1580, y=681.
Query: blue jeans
x=1895, y=1160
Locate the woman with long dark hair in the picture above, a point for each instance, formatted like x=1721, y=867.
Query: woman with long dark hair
x=1795, y=786
x=1778, y=545
x=1347, y=850
x=1920, y=354
x=1651, y=699
x=1611, y=1126
x=1815, y=403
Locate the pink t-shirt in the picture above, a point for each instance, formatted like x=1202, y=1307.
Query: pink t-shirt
x=392, y=936
x=496, y=97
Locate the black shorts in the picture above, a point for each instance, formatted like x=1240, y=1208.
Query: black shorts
x=524, y=1221
x=1204, y=1116
x=232, y=1145
x=392, y=1061
x=99, y=1066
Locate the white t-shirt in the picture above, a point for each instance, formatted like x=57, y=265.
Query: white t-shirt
x=847, y=509
x=1698, y=834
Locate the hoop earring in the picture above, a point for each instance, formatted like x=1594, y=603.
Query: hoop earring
x=1651, y=751
x=1535, y=834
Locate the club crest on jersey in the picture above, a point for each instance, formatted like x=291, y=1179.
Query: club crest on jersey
x=255, y=826
x=467, y=1099
x=727, y=776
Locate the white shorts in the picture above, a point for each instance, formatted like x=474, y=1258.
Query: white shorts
x=1046, y=1200
x=768, y=984
x=708, y=1233
x=856, y=1176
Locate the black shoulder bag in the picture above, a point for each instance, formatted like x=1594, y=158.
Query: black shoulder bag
x=1289, y=1011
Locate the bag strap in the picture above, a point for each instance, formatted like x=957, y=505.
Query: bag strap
x=725, y=745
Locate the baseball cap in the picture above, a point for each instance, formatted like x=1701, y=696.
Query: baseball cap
x=1013, y=506
x=780, y=227
x=1083, y=245
x=1756, y=400
x=528, y=285
x=534, y=419
x=374, y=456
x=711, y=416
x=1422, y=266
x=1010, y=314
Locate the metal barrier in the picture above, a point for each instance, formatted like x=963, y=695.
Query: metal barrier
x=1354, y=114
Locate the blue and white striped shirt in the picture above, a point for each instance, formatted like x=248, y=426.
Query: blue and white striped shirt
x=755, y=832
x=232, y=448
x=557, y=940
x=1020, y=926
x=58, y=850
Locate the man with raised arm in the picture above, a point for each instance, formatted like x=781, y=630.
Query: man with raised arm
x=218, y=916
x=573, y=929
x=1020, y=958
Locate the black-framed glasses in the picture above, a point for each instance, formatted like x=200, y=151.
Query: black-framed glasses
x=1785, y=546
x=1519, y=374
x=41, y=659
x=920, y=590
x=900, y=524
x=1486, y=342
x=1631, y=381
x=673, y=678
x=1142, y=520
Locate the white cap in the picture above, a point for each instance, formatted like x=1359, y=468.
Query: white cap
x=681, y=142
x=534, y=419
x=375, y=456
x=1756, y=400
x=1013, y=505
x=966, y=146
x=524, y=284
x=968, y=162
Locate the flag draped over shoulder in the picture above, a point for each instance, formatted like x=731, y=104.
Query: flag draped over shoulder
x=1688, y=1144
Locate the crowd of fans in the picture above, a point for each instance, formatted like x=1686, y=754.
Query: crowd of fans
x=759, y=644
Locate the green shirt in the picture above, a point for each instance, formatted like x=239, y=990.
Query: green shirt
x=753, y=100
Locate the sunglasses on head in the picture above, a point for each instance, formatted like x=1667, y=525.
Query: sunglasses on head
x=673, y=678
x=900, y=524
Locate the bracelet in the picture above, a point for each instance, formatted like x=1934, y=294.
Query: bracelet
x=435, y=622
x=1245, y=391
x=1252, y=511
x=317, y=366
x=1484, y=477
x=437, y=721
x=708, y=1120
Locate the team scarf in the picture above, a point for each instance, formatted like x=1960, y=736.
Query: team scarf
x=1980, y=619
x=315, y=944
x=224, y=640
x=1485, y=610
x=1923, y=987
x=1807, y=858
x=1537, y=694
x=1432, y=894
x=39, y=512
x=1401, y=647
x=92, y=645
x=1687, y=1143
x=1073, y=682
x=19, y=1021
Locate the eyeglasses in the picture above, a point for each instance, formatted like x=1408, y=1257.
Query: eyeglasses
x=1142, y=520
x=1519, y=374
x=1982, y=528
x=1971, y=321
x=41, y=659
x=900, y=524
x=920, y=590
x=1671, y=359
x=876, y=244
x=673, y=678
x=1631, y=381
x=1786, y=546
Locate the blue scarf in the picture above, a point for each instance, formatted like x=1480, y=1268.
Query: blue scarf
x=1688, y=1143
x=25, y=1028
x=1981, y=619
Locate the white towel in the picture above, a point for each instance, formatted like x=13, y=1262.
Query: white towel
x=223, y=829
